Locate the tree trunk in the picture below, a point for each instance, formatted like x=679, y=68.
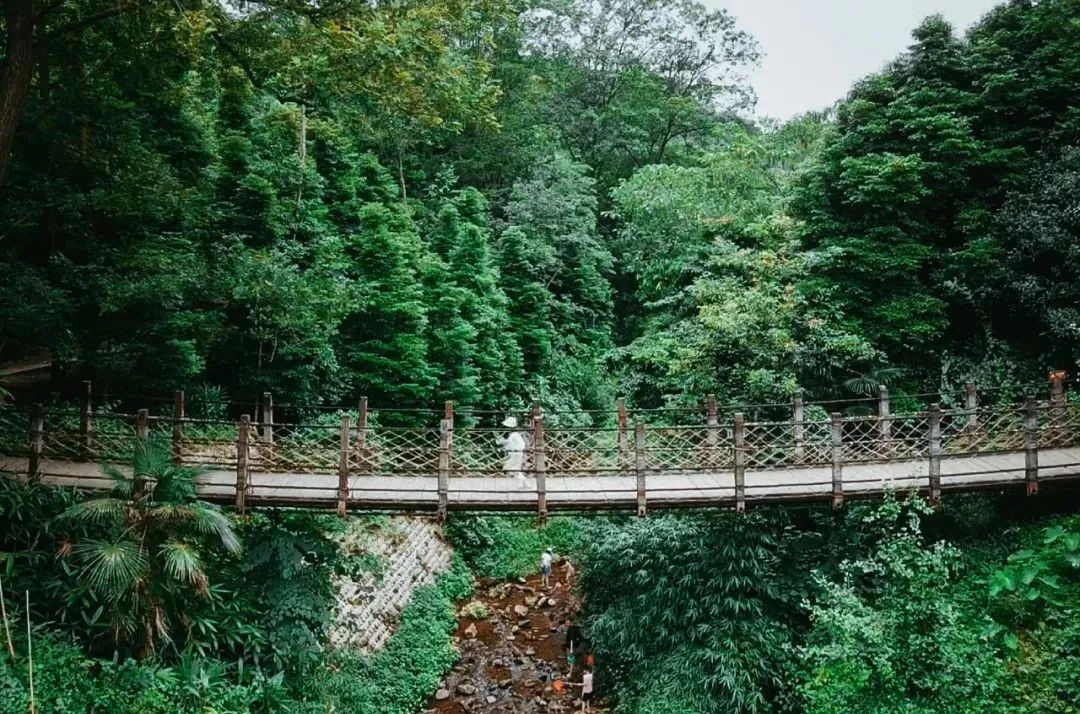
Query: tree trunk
x=15, y=74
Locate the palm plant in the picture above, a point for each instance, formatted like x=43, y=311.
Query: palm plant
x=867, y=384
x=144, y=545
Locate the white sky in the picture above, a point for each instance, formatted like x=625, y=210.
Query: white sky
x=815, y=49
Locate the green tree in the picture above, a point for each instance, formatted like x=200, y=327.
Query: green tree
x=146, y=548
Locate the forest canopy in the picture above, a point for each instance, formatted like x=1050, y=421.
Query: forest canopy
x=494, y=201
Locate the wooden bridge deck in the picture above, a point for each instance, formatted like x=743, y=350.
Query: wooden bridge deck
x=665, y=489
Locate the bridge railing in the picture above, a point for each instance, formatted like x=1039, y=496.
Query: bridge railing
x=686, y=441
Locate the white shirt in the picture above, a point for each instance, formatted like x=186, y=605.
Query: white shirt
x=586, y=683
x=545, y=560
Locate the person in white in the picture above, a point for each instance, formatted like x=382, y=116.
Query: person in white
x=545, y=567
x=514, y=446
x=586, y=689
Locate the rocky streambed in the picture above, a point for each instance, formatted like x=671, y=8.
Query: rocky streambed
x=510, y=643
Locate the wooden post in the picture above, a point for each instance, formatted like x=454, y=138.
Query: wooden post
x=86, y=421
x=178, y=427
x=37, y=442
x=933, y=419
x=798, y=426
x=539, y=455
x=448, y=410
x=884, y=423
x=971, y=405
x=446, y=433
x=1057, y=387
x=142, y=428
x=343, y=467
x=1031, y=446
x=243, y=433
x=364, y=464
x=837, y=433
x=267, y=418
x=142, y=444
x=712, y=435
x=740, y=462
x=1056, y=420
x=639, y=467
x=622, y=438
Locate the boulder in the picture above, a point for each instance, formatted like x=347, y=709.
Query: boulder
x=442, y=694
x=466, y=690
x=470, y=631
x=521, y=610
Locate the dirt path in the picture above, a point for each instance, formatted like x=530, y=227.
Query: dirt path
x=512, y=655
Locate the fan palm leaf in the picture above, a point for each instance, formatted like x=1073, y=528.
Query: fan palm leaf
x=209, y=520
x=96, y=512
x=122, y=484
x=112, y=569
x=182, y=562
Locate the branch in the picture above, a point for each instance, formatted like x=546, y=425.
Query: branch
x=90, y=20
x=48, y=9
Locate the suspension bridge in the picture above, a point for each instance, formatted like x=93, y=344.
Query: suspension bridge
x=369, y=459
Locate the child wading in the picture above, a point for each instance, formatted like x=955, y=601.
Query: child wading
x=545, y=567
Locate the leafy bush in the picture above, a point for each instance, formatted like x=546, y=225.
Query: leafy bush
x=396, y=679
x=887, y=634
x=509, y=546
x=686, y=613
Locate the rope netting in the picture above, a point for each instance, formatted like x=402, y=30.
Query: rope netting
x=468, y=449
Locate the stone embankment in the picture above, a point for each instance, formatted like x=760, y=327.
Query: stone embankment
x=408, y=553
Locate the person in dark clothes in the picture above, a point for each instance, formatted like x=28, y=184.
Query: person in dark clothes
x=573, y=642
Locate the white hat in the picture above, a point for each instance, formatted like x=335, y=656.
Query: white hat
x=510, y=422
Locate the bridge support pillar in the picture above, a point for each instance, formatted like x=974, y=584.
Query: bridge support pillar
x=739, y=458
x=86, y=421
x=971, y=406
x=1031, y=446
x=37, y=442
x=178, y=427
x=243, y=440
x=798, y=427
x=622, y=436
x=836, y=428
x=884, y=420
x=343, y=467
x=446, y=435
x=539, y=455
x=933, y=419
x=267, y=418
x=639, y=467
x=363, y=464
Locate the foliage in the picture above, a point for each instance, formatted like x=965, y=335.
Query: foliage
x=887, y=632
x=146, y=557
x=687, y=612
x=508, y=546
x=397, y=679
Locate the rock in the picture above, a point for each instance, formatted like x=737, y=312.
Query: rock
x=470, y=631
x=530, y=652
x=514, y=629
x=521, y=610
x=490, y=699
x=551, y=602
x=442, y=694
x=524, y=623
x=530, y=601
x=465, y=689
x=505, y=683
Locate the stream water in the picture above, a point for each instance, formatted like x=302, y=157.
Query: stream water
x=512, y=659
